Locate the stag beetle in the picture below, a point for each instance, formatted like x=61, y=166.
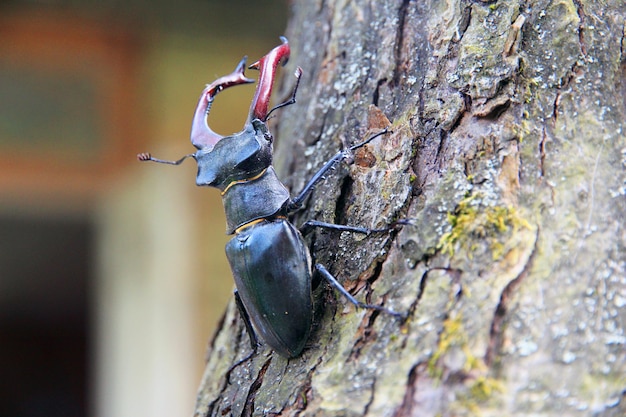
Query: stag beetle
x=270, y=261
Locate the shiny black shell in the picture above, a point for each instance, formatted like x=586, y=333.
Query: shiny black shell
x=272, y=270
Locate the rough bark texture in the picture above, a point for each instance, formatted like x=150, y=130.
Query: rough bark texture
x=508, y=153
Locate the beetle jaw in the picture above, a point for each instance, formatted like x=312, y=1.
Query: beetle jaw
x=202, y=136
x=267, y=67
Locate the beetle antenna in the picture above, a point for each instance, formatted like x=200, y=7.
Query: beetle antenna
x=371, y=138
x=143, y=157
x=291, y=100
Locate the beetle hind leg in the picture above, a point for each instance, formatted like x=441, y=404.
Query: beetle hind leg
x=254, y=341
x=333, y=281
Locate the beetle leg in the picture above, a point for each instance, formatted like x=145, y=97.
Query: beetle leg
x=333, y=281
x=354, y=229
x=371, y=138
x=296, y=203
x=254, y=342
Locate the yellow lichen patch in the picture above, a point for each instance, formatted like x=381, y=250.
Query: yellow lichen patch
x=484, y=387
x=478, y=387
x=480, y=391
x=454, y=336
x=450, y=336
x=471, y=224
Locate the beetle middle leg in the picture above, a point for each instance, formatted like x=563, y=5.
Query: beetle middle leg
x=354, y=229
x=254, y=342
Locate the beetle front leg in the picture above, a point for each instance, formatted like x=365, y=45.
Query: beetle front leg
x=296, y=203
x=143, y=157
x=333, y=281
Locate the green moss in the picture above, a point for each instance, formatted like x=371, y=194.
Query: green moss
x=478, y=387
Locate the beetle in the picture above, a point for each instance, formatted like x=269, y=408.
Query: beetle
x=269, y=259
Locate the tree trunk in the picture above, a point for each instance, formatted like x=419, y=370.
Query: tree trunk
x=508, y=156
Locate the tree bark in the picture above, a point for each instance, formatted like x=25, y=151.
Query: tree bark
x=508, y=156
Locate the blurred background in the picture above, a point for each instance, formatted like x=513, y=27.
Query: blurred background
x=112, y=272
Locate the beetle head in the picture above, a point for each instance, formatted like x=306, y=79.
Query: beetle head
x=236, y=157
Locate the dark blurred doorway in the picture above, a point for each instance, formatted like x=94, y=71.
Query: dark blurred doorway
x=110, y=276
x=45, y=275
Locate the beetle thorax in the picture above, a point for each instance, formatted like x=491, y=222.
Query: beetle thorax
x=240, y=167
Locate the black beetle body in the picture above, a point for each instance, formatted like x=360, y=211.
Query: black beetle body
x=269, y=259
x=270, y=262
x=272, y=270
